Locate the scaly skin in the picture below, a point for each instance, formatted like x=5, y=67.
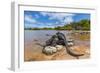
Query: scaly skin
x=61, y=37
x=69, y=51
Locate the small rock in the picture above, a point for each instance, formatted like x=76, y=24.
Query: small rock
x=70, y=42
x=49, y=50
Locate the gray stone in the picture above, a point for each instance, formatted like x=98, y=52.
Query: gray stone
x=49, y=50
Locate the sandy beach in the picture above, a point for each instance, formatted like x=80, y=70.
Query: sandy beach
x=33, y=51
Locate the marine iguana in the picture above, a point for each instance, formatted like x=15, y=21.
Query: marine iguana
x=62, y=37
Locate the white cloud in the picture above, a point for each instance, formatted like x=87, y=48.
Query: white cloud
x=29, y=19
x=68, y=20
x=62, y=17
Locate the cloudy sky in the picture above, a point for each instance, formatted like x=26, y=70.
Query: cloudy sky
x=51, y=19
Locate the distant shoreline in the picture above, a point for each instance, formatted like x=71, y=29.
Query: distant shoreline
x=65, y=30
